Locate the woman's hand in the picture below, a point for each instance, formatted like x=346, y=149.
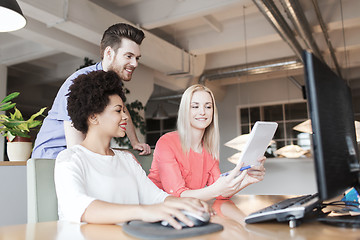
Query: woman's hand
x=171, y=208
x=189, y=204
x=229, y=185
x=258, y=172
x=255, y=174
x=234, y=182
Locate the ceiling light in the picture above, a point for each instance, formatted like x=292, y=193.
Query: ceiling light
x=11, y=16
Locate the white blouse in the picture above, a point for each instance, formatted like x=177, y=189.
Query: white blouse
x=82, y=176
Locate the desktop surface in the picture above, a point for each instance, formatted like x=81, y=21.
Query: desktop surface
x=230, y=214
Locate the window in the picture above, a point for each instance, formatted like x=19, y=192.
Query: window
x=156, y=128
x=286, y=115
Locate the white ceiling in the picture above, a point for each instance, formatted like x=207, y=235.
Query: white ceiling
x=214, y=35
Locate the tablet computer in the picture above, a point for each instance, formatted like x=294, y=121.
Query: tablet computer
x=259, y=139
x=255, y=147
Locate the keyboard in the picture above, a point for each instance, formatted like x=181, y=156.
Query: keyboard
x=287, y=210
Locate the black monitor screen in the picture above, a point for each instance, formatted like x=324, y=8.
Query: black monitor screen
x=334, y=142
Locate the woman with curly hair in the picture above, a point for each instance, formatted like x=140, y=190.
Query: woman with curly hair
x=97, y=184
x=186, y=162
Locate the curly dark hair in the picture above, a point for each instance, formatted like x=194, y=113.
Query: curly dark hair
x=89, y=94
x=114, y=34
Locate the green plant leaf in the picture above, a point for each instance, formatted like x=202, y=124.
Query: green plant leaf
x=12, y=124
x=16, y=115
x=36, y=115
x=7, y=106
x=15, y=132
x=10, y=96
x=23, y=127
x=3, y=117
x=34, y=123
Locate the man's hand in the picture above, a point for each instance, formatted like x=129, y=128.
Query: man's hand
x=143, y=148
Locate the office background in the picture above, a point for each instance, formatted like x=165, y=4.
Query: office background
x=229, y=45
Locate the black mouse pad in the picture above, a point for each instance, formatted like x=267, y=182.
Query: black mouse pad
x=145, y=230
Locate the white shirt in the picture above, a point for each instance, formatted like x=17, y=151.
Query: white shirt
x=82, y=176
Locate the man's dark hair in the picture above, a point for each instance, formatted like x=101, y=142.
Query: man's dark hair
x=114, y=34
x=89, y=94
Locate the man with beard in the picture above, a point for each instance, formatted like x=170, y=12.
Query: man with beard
x=120, y=52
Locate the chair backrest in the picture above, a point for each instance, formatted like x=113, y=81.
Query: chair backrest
x=144, y=160
x=41, y=194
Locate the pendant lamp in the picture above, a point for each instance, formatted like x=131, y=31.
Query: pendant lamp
x=238, y=143
x=306, y=128
x=11, y=16
x=291, y=151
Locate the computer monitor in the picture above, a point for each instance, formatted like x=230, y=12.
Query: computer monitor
x=335, y=148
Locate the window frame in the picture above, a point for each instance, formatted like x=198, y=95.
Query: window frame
x=161, y=131
x=284, y=123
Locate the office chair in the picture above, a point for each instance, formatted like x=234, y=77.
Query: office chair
x=41, y=195
x=145, y=161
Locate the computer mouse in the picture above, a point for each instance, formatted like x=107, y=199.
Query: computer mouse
x=198, y=220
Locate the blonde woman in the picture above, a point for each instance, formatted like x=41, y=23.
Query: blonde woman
x=186, y=162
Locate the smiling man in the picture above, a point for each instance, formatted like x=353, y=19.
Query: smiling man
x=120, y=52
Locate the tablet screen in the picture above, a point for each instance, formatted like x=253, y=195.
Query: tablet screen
x=259, y=139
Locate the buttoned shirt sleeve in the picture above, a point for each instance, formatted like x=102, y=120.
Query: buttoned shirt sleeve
x=170, y=166
x=214, y=174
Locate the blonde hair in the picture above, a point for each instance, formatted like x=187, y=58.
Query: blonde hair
x=211, y=135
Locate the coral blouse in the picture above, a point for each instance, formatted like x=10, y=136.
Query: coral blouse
x=174, y=172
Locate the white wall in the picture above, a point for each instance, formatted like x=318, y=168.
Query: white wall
x=141, y=87
x=13, y=196
x=286, y=177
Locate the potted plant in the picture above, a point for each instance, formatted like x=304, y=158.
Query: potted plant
x=16, y=129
